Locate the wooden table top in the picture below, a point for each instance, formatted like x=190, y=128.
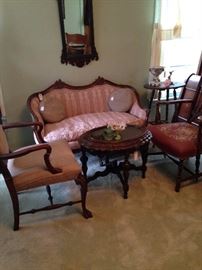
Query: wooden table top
x=131, y=137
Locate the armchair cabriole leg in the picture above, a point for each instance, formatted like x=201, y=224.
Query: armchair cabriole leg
x=83, y=183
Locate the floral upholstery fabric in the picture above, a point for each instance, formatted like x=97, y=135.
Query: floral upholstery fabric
x=177, y=139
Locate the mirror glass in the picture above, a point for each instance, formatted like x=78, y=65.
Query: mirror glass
x=77, y=32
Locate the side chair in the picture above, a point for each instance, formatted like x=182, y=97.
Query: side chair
x=39, y=165
x=185, y=103
x=181, y=139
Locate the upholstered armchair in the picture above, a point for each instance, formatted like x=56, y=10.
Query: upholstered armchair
x=36, y=166
x=181, y=139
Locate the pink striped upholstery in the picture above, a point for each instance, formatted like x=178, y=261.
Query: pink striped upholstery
x=90, y=100
x=85, y=108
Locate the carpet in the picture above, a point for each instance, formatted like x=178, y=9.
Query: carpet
x=154, y=229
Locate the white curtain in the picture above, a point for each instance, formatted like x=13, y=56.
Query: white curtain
x=177, y=34
x=167, y=26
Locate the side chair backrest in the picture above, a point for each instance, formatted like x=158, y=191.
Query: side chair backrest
x=190, y=91
x=197, y=109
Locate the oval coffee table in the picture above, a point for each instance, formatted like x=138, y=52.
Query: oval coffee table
x=133, y=139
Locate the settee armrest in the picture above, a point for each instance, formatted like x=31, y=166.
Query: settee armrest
x=139, y=112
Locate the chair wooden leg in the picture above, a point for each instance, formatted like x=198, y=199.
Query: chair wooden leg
x=15, y=203
x=178, y=180
x=48, y=189
x=16, y=216
x=197, y=164
x=83, y=183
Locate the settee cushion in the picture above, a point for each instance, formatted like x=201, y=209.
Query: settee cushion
x=121, y=100
x=79, y=124
x=52, y=109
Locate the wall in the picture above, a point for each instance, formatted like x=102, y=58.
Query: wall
x=30, y=49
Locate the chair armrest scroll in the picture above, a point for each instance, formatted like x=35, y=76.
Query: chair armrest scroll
x=28, y=149
x=36, y=125
x=23, y=124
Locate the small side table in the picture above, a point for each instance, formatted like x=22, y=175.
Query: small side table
x=161, y=88
x=133, y=138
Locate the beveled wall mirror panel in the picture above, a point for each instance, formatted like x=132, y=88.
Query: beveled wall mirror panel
x=77, y=32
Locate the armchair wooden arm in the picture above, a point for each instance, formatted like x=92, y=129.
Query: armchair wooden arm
x=175, y=101
x=22, y=124
x=28, y=149
x=36, y=125
x=169, y=102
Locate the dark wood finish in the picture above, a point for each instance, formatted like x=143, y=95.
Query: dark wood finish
x=161, y=88
x=132, y=139
x=11, y=186
x=186, y=102
x=77, y=44
x=80, y=59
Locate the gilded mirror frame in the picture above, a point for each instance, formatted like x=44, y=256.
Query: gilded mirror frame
x=79, y=58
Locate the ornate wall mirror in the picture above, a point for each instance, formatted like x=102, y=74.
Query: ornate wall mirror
x=77, y=32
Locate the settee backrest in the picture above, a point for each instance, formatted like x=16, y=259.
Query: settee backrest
x=78, y=99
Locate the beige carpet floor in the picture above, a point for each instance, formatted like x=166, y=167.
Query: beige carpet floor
x=154, y=229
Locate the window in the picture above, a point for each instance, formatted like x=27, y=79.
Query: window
x=177, y=36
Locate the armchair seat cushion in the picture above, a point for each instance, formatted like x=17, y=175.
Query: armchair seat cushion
x=79, y=124
x=177, y=139
x=37, y=174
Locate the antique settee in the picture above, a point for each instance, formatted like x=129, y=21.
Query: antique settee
x=67, y=111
